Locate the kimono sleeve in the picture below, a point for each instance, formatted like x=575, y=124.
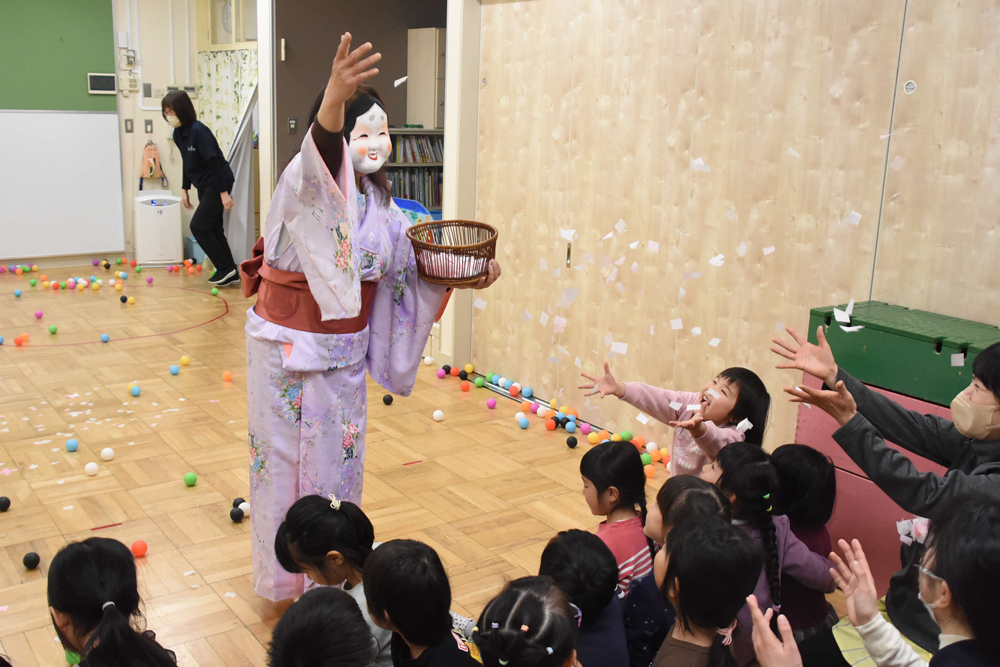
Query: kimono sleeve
x=402, y=314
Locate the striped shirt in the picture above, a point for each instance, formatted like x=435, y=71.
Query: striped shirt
x=631, y=550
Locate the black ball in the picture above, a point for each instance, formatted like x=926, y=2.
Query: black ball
x=462, y=375
x=236, y=514
x=238, y=502
x=387, y=399
x=123, y=298
x=446, y=368
x=31, y=560
x=571, y=442
x=564, y=421
x=4, y=503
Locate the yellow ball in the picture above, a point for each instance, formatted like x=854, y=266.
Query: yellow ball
x=592, y=438
x=185, y=360
x=79, y=286
x=563, y=408
x=45, y=284
x=118, y=287
x=469, y=368
x=131, y=299
x=34, y=267
x=616, y=438
x=95, y=286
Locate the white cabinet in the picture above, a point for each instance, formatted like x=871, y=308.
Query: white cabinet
x=158, y=228
x=425, y=77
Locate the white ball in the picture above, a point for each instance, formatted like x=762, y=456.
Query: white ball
x=502, y=381
x=516, y=384
x=90, y=469
x=438, y=416
x=107, y=453
x=245, y=506
x=519, y=416
x=428, y=361
x=650, y=447
x=112, y=282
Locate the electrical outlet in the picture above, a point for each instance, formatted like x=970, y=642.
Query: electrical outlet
x=149, y=126
x=128, y=126
x=293, y=125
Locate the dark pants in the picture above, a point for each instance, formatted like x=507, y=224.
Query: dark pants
x=206, y=226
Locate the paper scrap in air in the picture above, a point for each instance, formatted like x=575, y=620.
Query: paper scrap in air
x=696, y=331
x=897, y=163
x=698, y=164
x=677, y=324
x=853, y=219
x=633, y=245
x=621, y=288
x=557, y=273
x=852, y=329
x=612, y=275
x=768, y=250
x=711, y=392
x=744, y=426
x=791, y=151
x=559, y=324
x=653, y=245
x=620, y=261
x=651, y=332
x=542, y=264
x=730, y=215
x=958, y=359
x=567, y=234
x=694, y=407
x=635, y=267
x=619, y=348
x=841, y=315
x=681, y=292
x=526, y=315
x=642, y=419
x=676, y=405
x=718, y=260
x=715, y=342
x=399, y=82
x=578, y=363
x=230, y=594
x=479, y=303
x=620, y=225
x=741, y=249
x=543, y=318
x=608, y=236
x=779, y=326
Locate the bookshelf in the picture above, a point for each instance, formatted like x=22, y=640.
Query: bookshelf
x=416, y=166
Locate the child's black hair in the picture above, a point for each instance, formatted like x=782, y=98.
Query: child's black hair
x=808, y=483
x=529, y=624
x=312, y=529
x=712, y=566
x=986, y=367
x=686, y=496
x=83, y=578
x=747, y=473
x=324, y=628
x=584, y=569
x=753, y=402
x=963, y=548
x=405, y=584
x=4, y=662
x=617, y=464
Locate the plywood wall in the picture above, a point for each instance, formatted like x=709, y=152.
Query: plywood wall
x=593, y=111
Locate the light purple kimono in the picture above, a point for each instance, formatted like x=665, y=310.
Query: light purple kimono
x=306, y=391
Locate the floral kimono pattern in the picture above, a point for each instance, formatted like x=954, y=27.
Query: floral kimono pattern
x=306, y=391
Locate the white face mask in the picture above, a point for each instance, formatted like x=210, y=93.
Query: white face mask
x=174, y=121
x=929, y=606
x=370, y=145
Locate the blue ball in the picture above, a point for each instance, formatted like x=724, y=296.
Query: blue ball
x=604, y=442
x=105, y=338
x=560, y=415
x=523, y=422
x=1, y=340
x=17, y=292
x=72, y=445
x=136, y=390
x=570, y=427
x=124, y=276
x=174, y=370
x=527, y=392
x=572, y=418
x=494, y=378
x=93, y=279
x=506, y=385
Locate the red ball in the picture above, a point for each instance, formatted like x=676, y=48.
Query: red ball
x=465, y=386
x=139, y=548
x=18, y=341
x=132, y=263
x=550, y=424
x=514, y=390
x=454, y=371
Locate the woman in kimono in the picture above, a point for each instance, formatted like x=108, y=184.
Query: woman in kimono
x=338, y=296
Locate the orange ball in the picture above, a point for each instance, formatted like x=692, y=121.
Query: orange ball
x=18, y=271
x=25, y=337
x=139, y=548
x=191, y=270
x=550, y=424
x=454, y=371
x=514, y=390
x=187, y=262
x=603, y=435
x=199, y=268
x=526, y=407
x=227, y=376
x=465, y=385
x=43, y=277
x=572, y=411
x=655, y=455
x=638, y=442
x=649, y=470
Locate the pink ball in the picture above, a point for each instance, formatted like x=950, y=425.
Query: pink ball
x=149, y=279
x=96, y=262
x=441, y=373
x=534, y=408
x=38, y=314
x=585, y=428
x=71, y=283
x=491, y=403
x=170, y=269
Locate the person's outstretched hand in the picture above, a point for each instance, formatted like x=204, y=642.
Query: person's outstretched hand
x=854, y=578
x=817, y=360
x=605, y=385
x=695, y=425
x=772, y=652
x=349, y=70
x=838, y=404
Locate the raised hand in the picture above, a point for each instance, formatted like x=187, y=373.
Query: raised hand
x=854, y=578
x=605, y=385
x=838, y=404
x=817, y=360
x=772, y=652
x=349, y=69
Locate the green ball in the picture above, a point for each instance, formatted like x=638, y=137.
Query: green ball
x=53, y=329
x=118, y=261
x=626, y=436
x=32, y=282
x=190, y=479
x=215, y=291
x=62, y=285
x=138, y=269
x=646, y=459
x=480, y=382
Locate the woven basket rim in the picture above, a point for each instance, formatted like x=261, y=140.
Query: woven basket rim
x=461, y=223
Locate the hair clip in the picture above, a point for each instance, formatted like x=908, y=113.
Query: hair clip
x=524, y=628
x=769, y=508
x=766, y=496
x=579, y=614
x=548, y=649
x=494, y=625
x=727, y=633
x=334, y=503
x=502, y=661
x=475, y=628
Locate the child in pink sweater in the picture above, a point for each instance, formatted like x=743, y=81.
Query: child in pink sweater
x=732, y=407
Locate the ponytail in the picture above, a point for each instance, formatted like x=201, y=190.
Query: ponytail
x=115, y=642
x=314, y=526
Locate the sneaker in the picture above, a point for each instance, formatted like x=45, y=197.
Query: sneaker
x=220, y=278
x=464, y=626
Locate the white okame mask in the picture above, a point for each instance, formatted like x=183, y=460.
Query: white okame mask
x=370, y=144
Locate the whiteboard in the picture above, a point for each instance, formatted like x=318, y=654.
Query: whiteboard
x=60, y=184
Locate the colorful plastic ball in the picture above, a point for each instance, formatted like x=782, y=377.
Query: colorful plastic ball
x=638, y=441
x=139, y=548
x=191, y=270
x=53, y=328
x=97, y=262
x=25, y=337
x=118, y=261
x=446, y=368
x=149, y=280
x=542, y=411
x=138, y=269
x=387, y=399
x=523, y=422
x=215, y=291
x=187, y=262
x=469, y=368
x=527, y=392
x=560, y=415
x=135, y=390
x=563, y=409
x=592, y=438
x=227, y=376
x=519, y=416
x=1, y=340
x=616, y=438
x=90, y=469
x=105, y=338
x=19, y=270
x=245, y=508
x=534, y=408
x=236, y=515
x=649, y=470
x=585, y=428
x=190, y=479
x=550, y=424
x=656, y=456
x=603, y=435
x=508, y=384
x=491, y=403
x=70, y=284
x=32, y=282
x=185, y=360
x=428, y=361
x=46, y=284
x=573, y=413
x=651, y=447
x=107, y=454
x=441, y=373
x=38, y=314
x=454, y=371
x=493, y=378
x=571, y=442
x=514, y=391
x=175, y=369
x=122, y=298
x=480, y=382
x=118, y=288
x=80, y=286
x=627, y=436
x=199, y=268
x=124, y=276
x=464, y=375
x=31, y=560
x=525, y=406
x=95, y=286
x=170, y=269
x=571, y=427
x=438, y=415
x=238, y=502
x=131, y=299
x=72, y=445
x=665, y=453
x=465, y=385
x=17, y=292
x=646, y=459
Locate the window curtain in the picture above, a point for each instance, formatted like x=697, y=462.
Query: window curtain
x=226, y=82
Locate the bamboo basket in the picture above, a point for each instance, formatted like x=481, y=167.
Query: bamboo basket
x=456, y=253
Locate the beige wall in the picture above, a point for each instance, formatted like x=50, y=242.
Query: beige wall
x=592, y=111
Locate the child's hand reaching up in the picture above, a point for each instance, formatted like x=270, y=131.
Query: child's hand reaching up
x=695, y=425
x=854, y=578
x=605, y=386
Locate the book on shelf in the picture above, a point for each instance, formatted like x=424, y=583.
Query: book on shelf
x=416, y=149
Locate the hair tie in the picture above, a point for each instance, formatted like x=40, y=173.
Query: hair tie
x=106, y=605
x=502, y=661
x=494, y=625
x=334, y=503
x=727, y=634
x=548, y=649
x=766, y=496
x=524, y=628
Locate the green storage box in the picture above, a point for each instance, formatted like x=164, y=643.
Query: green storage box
x=906, y=351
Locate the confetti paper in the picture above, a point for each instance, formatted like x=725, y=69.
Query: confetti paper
x=642, y=419
x=791, y=151
x=897, y=163
x=850, y=307
x=698, y=164
x=676, y=405
x=744, y=426
x=717, y=260
x=694, y=407
x=841, y=316
x=677, y=324
x=480, y=304
x=779, y=326
x=543, y=318
x=230, y=595
x=653, y=246
x=958, y=359
x=558, y=324
x=681, y=292
x=526, y=315
x=711, y=392
x=620, y=261
x=741, y=249
x=189, y=573
x=730, y=215
x=542, y=264
x=399, y=82
x=620, y=225
x=612, y=275
x=853, y=219
x=696, y=332
x=715, y=342
x=633, y=245
x=651, y=332
x=768, y=250
x=852, y=329
x=567, y=234
x=608, y=236
x=635, y=267
x=619, y=348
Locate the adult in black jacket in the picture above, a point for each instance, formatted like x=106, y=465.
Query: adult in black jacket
x=969, y=446
x=206, y=168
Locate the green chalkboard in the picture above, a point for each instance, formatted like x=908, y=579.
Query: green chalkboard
x=47, y=47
